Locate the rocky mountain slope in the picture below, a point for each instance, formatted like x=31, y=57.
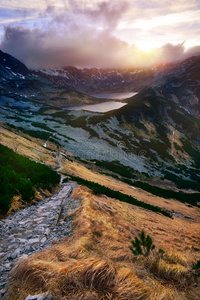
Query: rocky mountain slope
x=120, y=80
x=23, y=85
x=101, y=80
x=156, y=133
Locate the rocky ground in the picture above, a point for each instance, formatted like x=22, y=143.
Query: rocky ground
x=33, y=229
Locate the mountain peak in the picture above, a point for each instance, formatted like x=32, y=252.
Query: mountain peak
x=10, y=65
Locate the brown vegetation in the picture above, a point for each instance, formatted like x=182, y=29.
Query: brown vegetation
x=96, y=262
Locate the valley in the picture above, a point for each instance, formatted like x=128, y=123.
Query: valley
x=132, y=167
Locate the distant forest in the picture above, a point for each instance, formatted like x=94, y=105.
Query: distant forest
x=21, y=176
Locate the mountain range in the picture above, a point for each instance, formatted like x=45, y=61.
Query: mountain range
x=130, y=227
x=155, y=135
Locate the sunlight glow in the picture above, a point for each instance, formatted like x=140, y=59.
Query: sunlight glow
x=146, y=45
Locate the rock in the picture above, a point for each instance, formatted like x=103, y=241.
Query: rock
x=22, y=240
x=24, y=256
x=13, y=255
x=33, y=241
x=3, y=291
x=2, y=254
x=43, y=240
x=47, y=231
x=7, y=266
x=44, y=296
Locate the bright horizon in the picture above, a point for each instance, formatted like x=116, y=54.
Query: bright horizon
x=132, y=33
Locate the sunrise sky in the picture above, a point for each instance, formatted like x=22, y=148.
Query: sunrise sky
x=87, y=33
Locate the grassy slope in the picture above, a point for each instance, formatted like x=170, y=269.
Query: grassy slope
x=76, y=169
x=96, y=263
x=28, y=146
x=33, y=148
x=102, y=190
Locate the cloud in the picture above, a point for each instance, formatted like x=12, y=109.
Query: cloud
x=193, y=51
x=38, y=48
x=169, y=53
x=84, y=47
x=103, y=15
x=107, y=13
x=79, y=37
x=95, y=34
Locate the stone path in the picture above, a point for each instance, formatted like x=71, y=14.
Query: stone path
x=34, y=228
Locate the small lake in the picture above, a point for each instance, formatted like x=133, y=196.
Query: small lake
x=100, y=107
x=104, y=106
x=117, y=96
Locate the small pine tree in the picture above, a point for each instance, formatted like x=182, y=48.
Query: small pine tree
x=196, y=267
x=142, y=245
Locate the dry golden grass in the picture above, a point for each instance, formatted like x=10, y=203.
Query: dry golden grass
x=28, y=146
x=77, y=169
x=96, y=263
x=16, y=204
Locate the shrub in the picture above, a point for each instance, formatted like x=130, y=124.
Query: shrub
x=191, y=198
x=196, y=267
x=142, y=245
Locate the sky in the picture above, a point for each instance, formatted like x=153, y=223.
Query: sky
x=95, y=33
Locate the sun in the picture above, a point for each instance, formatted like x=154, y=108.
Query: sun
x=146, y=45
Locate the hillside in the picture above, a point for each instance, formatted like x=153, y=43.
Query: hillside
x=73, y=166
x=95, y=262
x=102, y=233
x=156, y=134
